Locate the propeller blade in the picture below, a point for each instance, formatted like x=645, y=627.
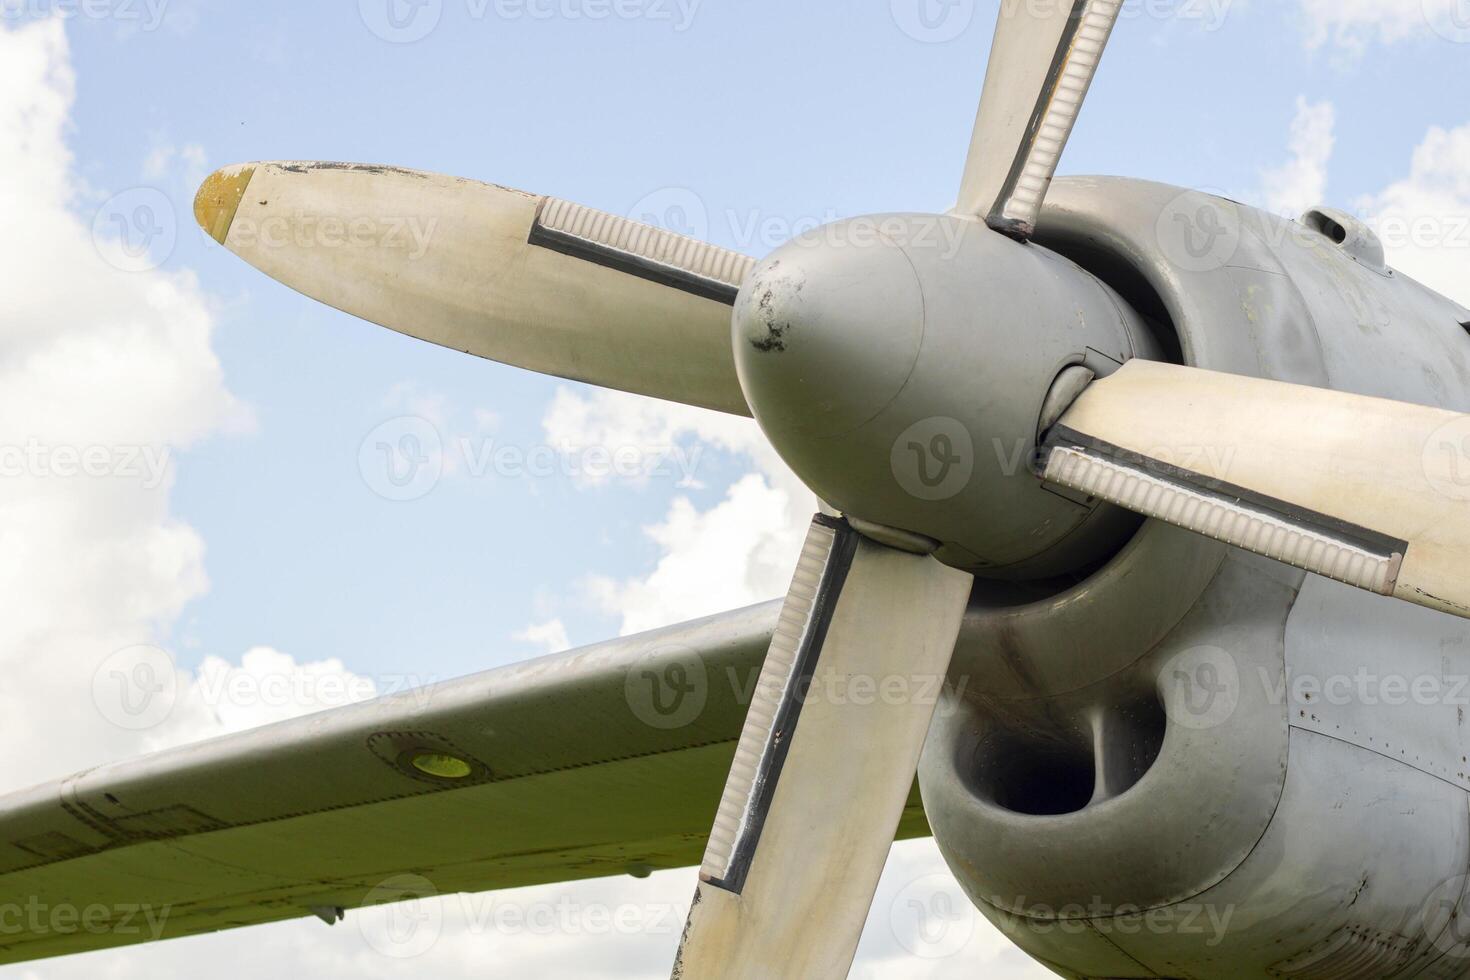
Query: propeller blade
x=825, y=763
x=1042, y=63
x=1366, y=491
x=531, y=281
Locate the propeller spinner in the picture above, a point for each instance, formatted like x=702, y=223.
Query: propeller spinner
x=901, y=366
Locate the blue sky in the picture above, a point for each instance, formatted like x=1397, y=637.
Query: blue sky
x=739, y=120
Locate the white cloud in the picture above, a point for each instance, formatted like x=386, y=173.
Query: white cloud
x=550, y=636
x=1353, y=24
x=739, y=552
x=267, y=687
x=95, y=363
x=1424, y=219
x=116, y=367
x=1301, y=182
x=736, y=554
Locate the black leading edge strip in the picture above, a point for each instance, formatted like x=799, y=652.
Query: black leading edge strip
x=809, y=654
x=633, y=265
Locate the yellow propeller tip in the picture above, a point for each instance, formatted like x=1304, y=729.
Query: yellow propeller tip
x=219, y=199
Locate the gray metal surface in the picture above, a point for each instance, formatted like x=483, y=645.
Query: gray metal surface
x=888, y=348
x=1273, y=835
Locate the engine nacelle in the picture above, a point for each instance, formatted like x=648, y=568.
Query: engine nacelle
x=1198, y=763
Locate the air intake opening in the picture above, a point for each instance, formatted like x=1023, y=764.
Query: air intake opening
x=1051, y=769
x=1350, y=234
x=1324, y=225
x=1036, y=776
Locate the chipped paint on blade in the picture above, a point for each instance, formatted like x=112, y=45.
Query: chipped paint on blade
x=219, y=199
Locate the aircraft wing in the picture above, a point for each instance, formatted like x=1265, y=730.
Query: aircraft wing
x=604, y=761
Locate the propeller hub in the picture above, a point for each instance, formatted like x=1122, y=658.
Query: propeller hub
x=828, y=331
x=900, y=365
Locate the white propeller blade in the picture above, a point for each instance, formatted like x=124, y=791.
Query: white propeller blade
x=825, y=763
x=531, y=281
x=1042, y=63
x=1366, y=491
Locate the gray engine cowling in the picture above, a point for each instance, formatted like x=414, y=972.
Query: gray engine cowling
x=1196, y=763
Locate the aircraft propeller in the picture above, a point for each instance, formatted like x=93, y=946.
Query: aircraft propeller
x=1324, y=481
